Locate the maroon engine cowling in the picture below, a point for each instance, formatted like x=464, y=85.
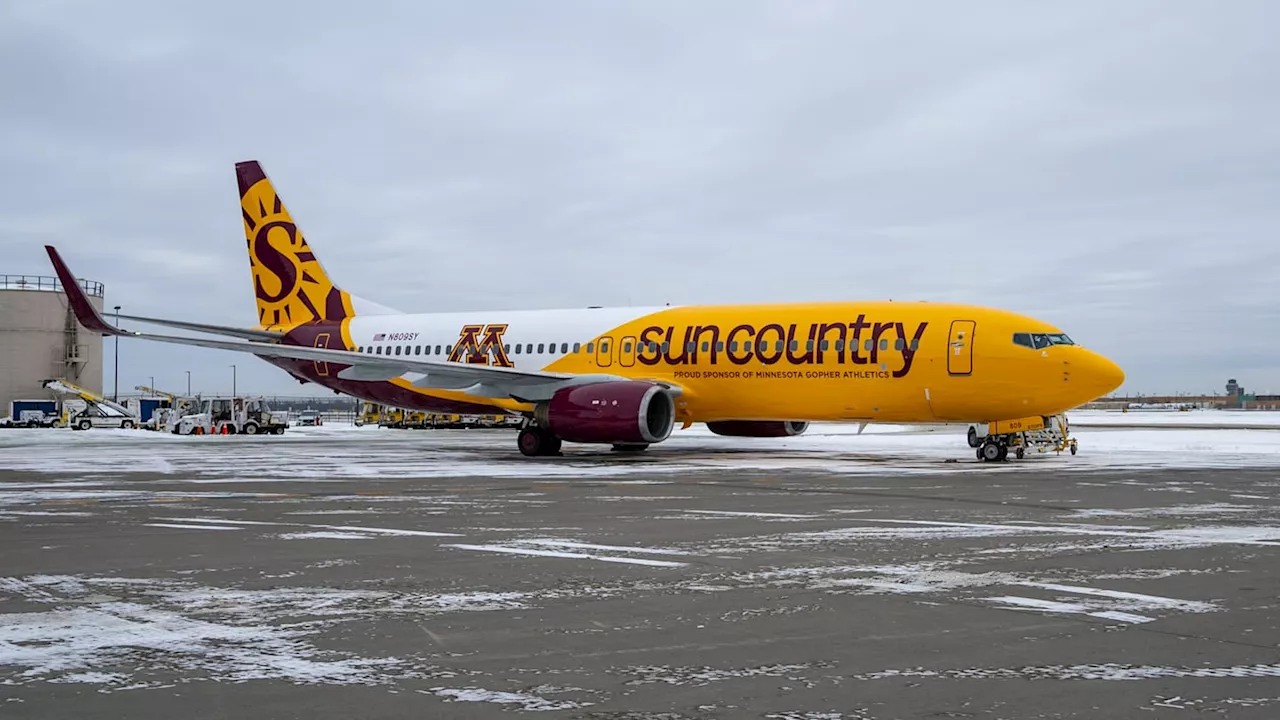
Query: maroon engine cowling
x=621, y=412
x=758, y=428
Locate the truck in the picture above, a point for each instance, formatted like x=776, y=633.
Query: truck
x=231, y=416
x=32, y=414
x=90, y=409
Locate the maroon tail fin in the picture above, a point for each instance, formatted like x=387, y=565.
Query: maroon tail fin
x=86, y=313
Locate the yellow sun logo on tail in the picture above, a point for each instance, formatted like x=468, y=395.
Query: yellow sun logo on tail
x=289, y=283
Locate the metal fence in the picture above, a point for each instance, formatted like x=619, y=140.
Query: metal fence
x=46, y=283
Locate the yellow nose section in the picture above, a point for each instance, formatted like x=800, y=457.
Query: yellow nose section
x=1098, y=376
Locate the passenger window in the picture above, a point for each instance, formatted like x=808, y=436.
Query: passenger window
x=379, y=350
x=867, y=345
x=779, y=345
x=899, y=344
x=763, y=346
x=507, y=348
x=706, y=346
x=666, y=347
x=397, y=349
x=589, y=348
x=822, y=345
x=577, y=347
x=691, y=346
x=518, y=347
x=839, y=346
x=808, y=345
x=626, y=347
x=438, y=350
x=564, y=348
x=604, y=348
x=915, y=344
x=884, y=343
x=417, y=349
x=540, y=347
x=733, y=346
x=795, y=345
x=359, y=348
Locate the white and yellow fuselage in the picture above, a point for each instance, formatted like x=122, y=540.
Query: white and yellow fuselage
x=865, y=362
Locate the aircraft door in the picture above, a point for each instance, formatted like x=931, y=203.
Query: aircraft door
x=322, y=341
x=604, y=352
x=960, y=347
x=627, y=353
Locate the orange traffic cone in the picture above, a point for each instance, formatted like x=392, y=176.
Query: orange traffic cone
x=224, y=429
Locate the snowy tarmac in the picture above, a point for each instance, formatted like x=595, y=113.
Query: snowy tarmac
x=343, y=572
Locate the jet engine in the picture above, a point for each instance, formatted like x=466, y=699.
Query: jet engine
x=758, y=428
x=618, y=412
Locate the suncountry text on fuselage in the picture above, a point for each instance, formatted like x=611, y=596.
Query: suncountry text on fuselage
x=794, y=344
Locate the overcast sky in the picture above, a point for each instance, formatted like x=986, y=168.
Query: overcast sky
x=1110, y=167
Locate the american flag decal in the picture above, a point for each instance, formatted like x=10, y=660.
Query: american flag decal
x=379, y=336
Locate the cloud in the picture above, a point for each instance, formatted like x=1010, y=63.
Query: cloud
x=1109, y=168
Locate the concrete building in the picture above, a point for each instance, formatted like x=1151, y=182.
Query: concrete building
x=40, y=339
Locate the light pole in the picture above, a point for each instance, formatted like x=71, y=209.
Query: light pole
x=233, y=381
x=188, y=383
x=153, y=382
x=115, y=391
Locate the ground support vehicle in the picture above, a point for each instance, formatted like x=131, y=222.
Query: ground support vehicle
x=88, y=409
x=231, y=416
x=994, y=441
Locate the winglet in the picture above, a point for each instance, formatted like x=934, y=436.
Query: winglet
x=86, y=313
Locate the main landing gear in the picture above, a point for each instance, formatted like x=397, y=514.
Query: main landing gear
x=536, y=441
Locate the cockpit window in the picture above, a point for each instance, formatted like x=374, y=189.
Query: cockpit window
x=1036, y=341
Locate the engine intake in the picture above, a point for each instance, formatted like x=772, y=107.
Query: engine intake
x=758, y=428
x=621, y=412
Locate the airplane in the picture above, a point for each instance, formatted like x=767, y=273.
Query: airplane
x=625, y=377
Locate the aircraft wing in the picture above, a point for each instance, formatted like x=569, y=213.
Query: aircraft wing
x=479, y=380
x=245, y=333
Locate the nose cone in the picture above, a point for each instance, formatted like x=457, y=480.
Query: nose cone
x=1100, y=376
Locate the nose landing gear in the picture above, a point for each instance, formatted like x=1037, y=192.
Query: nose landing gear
x=994, y=450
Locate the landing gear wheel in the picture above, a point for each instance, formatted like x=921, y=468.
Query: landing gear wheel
x=992, y=452
x=536, y=442
x=973, y=438
x=1020, y=452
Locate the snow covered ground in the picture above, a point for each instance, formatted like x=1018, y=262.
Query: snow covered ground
x=338, y=452
x=828, y=565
